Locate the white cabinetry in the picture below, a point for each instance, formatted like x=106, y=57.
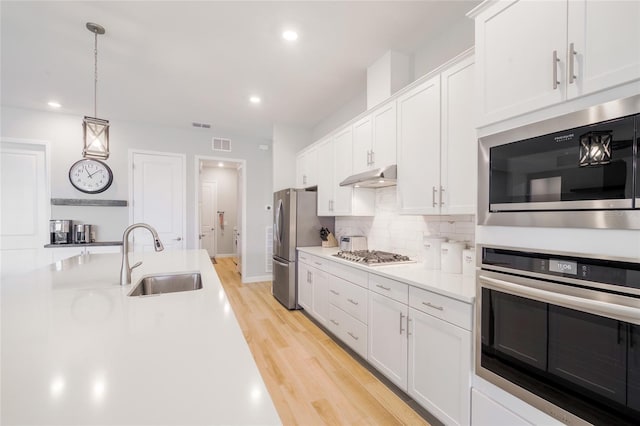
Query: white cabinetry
x=437, y=144
x=374, y=139
x=313, y=286
x=440, y=355
x=487, y=412
x=388, y=342
x=534, y=54
x=307, y=168
x=334, y=162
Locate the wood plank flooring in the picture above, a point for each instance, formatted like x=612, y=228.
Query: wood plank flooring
x=311, y=379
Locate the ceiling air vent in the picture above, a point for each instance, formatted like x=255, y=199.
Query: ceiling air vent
x=221, y=144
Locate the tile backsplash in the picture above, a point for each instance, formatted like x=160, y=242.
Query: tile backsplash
x=390, y=231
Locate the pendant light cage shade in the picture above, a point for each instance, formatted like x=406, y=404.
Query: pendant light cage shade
x=95, y=130
x=96, y=138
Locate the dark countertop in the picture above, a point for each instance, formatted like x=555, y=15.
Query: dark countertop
x=96, y=244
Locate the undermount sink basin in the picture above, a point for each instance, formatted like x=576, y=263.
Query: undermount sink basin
x=158, y=284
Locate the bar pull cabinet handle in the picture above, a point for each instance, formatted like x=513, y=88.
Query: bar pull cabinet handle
x=409, y=333
x=383, y=287
x=335, y=322
x=353, y=302
x=401, y=317
x=433, y=196
x=352, y=335
x=368, y=158
x=555, y=69
x=440, y=308
x=441, y=192
x=572, y=59
x=373, y=157
x=335, y=292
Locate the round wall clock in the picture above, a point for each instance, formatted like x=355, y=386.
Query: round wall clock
x=90, y=176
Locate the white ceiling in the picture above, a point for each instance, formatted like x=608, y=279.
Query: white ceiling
x=177, y=62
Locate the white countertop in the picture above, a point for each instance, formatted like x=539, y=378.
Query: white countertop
x=77, y=350
x=456, y=286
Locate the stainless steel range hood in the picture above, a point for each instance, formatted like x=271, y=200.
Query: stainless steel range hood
x=376, y=178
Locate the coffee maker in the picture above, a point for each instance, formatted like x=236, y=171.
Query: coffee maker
x=61, y=231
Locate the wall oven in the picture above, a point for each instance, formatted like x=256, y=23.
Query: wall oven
x=561, y=332
x=578, y=170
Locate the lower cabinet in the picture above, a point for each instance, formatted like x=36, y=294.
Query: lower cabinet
x=305, y=286
x=320, y=299
x=440, y=367
x=487, y=412
x=388, y=338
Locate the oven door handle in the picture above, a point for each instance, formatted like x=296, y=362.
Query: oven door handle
x=596, y=307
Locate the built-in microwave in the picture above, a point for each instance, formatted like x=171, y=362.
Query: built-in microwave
x=578, y=170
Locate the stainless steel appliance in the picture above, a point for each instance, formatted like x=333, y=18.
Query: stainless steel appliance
x=60, y=231
x=353, y=243
x=579, y=170
x=373, y=257
x=374, y=178
x=561, y=331
x=296, y=224
x=82, y=233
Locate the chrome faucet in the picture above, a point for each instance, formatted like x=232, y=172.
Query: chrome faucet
x=125, y=270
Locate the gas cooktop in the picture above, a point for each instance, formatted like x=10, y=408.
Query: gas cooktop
x=373, y=257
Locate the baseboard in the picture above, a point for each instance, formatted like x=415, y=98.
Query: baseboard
x=257, y=279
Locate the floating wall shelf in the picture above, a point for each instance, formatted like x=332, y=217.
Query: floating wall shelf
x=86, y=202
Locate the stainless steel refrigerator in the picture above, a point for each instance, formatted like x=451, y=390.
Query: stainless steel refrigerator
x=295, y=224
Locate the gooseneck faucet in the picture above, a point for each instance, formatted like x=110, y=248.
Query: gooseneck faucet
x=125, y=270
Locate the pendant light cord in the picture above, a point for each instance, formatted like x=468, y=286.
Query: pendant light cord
x=95, y=79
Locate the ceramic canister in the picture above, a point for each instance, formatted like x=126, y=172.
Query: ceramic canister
x=468, y=261
x=432, y=251
x=451, y=256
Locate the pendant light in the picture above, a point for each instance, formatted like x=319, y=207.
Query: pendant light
x=95, y=130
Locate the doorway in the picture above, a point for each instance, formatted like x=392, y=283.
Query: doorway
x=219, y=207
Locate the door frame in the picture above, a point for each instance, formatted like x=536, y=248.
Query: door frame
x=215, y=232
x=183, y=157
x=196, y=219
x=47, y=175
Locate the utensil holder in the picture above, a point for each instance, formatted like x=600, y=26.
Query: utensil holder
x=331, y=241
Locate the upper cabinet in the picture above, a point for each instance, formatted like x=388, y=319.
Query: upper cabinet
x=437, y=144
x=374, y=139
x=530, y=55
x=334, y=165
x=307, y=168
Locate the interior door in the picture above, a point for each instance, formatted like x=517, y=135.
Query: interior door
x=159, y=184
x=208, y=208
x=239, y=223
x=23, y=185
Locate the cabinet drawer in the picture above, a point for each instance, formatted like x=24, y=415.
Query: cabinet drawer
x=351, y=331
x=350, y=274
x=349, y=297
x=393, y=289
x=315, y=261
x=450, y=310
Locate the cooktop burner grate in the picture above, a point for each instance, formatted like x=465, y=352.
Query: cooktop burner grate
x=373, y=257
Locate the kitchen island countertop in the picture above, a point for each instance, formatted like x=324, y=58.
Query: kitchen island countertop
x=77, y=350
x=456, y=286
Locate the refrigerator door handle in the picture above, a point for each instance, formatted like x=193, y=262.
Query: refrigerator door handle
x=286, y=265
x=279, y=223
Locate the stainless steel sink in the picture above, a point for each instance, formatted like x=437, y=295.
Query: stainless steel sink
x=158, y=284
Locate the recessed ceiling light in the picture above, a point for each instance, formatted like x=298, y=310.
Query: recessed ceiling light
x=290, y=35
x=54, y=104
x=255, y=99
x=221, y=164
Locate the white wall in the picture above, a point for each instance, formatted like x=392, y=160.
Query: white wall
x=287, y=141
x=351, y=109
x=227, y=184
x=65, y=133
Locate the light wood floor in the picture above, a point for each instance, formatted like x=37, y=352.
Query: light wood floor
x=311, y=379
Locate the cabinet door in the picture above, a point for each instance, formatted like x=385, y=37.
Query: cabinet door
x=306, y=168
x=300, y=170
x=606, y=41
x=515, y=41
x=362, y=138
x=384, y=136
x=305, y=287
x=388, y=338
x=440, y=367
x=325, y=179
x=320, y=299
x=419, y=149
x=459, y=144
x=343, y=155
